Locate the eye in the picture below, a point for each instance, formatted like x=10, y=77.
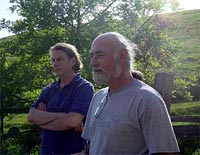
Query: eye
x=59, y=59
x=52, y=60
x=101, y=55
x=91, y=55
x=97, y=55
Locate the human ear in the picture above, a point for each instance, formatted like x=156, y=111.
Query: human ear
x=123, y=54
x=73, y=61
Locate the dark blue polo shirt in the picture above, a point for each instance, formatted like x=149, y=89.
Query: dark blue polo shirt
x=74, y=97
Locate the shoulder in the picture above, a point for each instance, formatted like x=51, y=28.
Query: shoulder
x=146, y=96
x=147, y=101
x=146, y=91
x=81, y=86
x=80, y=81
x=51, y=86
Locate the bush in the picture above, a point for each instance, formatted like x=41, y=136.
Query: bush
x=21, y=143
x=189, y=145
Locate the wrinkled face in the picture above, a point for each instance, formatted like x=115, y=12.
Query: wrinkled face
x=61, y=63
x=104, y=61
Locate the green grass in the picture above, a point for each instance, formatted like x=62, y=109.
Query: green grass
x=23, y=142
x=185, y=109
x=181, y=109
x=16, y=120
x=184, y=27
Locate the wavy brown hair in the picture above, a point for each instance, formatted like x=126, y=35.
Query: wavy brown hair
x=71, y=52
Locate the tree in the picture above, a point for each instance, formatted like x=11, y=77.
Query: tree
x=45, y=23
x=156, y=50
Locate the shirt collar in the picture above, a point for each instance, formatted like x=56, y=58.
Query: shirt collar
x=76, y=78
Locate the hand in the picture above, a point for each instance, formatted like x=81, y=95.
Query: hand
x=79, y=128
x=42, y=106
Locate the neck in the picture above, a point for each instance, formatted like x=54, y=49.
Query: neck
x=66, y=79
x=121, y=81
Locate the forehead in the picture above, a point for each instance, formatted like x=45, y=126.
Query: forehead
x=58, y=53
x=103, y=44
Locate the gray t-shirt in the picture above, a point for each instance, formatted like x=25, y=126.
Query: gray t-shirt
x=131, y=120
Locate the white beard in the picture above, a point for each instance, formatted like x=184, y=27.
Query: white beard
x=104, y=78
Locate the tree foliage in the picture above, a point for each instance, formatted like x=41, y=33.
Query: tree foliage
x=25, y=67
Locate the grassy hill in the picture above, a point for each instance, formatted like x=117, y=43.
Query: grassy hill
x=184, y=27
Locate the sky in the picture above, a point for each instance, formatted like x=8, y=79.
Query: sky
x=6, y=13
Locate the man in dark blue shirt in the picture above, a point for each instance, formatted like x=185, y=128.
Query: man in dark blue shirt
x=62, y=106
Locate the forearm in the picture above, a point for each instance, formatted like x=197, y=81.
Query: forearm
x=40, y=117
x=67, y=121
x=56, y=125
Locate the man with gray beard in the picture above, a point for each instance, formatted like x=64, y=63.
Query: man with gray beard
x=128, y=116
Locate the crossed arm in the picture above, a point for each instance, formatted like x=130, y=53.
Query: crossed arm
x=55, y=121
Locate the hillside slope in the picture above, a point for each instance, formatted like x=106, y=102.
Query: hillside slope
x=185, y=28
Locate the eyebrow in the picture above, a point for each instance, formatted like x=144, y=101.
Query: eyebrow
x=96, y=52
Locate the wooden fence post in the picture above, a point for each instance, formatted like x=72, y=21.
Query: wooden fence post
x=164, y=84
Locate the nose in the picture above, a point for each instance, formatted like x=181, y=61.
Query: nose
x=55, y=63
x=93, y=61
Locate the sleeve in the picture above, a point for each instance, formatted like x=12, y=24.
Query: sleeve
x=82, y=98
x=157, y=129
x=43, y=97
